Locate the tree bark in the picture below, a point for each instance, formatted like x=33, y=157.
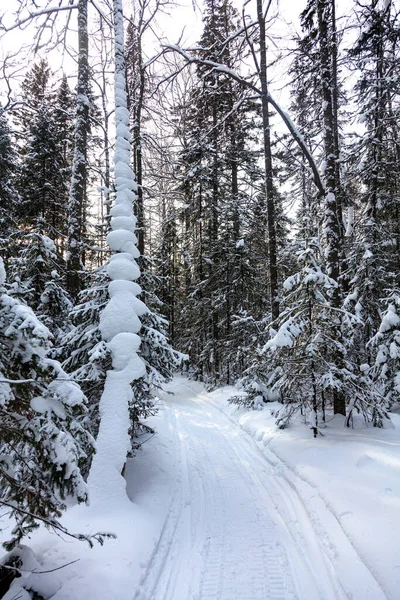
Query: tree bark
x=332, y=225
x=77, y=194
x=269, y=187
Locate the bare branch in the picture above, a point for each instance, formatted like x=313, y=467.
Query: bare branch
x=33, y=15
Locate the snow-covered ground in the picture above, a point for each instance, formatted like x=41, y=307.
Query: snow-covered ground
x=227, y=507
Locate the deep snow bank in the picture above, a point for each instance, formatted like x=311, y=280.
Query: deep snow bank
x=112, y=571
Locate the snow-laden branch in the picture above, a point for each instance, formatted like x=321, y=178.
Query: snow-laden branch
x=22, y=381
x=221, y=68
x=34, y=15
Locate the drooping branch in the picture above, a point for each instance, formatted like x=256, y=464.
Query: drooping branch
x=218, y=67
x=98, y=537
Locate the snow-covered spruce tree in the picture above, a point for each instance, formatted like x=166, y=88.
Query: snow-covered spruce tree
x=217, y=181
x=319, y=19
x=85, y=354
x=8, y=193
x=38, y=280
x=374, y=261
x=159, y=357
x=168, y=267
x=299, y=354
x=42, y=438
x=38, y=265
x=119, y=321
x=306, y=107
x=64, y=134
x=42, y=182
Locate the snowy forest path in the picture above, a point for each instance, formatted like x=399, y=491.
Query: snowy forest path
x=237, y=529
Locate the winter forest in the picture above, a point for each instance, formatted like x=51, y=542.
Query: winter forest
x=200, y=300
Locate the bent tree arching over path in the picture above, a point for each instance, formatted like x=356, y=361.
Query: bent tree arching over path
x=237, y=528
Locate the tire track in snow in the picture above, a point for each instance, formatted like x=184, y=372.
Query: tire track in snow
x=222, y=546
x=162, y=549
x=237, y=528
x=166, y=576
x=242, y=558
x=322, y=540
x=308, y=563
x=252, y=564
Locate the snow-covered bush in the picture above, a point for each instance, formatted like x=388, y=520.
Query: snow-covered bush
x=386, y=370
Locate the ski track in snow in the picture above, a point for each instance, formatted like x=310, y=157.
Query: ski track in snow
x=238, y=528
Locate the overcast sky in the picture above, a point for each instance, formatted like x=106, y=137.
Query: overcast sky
x=184, y=18
x=187, y=18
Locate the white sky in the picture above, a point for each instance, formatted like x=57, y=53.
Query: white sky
x=187, y=18
x=184, y=18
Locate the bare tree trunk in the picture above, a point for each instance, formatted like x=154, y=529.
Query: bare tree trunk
x=78, y=180
x=332, y=223
x=136, y=89
x=269, y=188
x=137, y=150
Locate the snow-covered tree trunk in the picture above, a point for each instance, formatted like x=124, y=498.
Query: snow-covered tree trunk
x=119, y=322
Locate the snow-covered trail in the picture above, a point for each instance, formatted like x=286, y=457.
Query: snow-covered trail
x=237, y=529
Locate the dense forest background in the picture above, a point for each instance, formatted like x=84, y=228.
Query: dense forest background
x=268, y=238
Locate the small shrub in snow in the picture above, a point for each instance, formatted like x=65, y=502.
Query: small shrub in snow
x=386, y=370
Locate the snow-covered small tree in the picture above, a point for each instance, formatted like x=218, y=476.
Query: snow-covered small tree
x=42, y=437
x=37, y=276
x=300, y=351
x=386, y=370
x=88, y=357
x=159, y=357
x=85, y=354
